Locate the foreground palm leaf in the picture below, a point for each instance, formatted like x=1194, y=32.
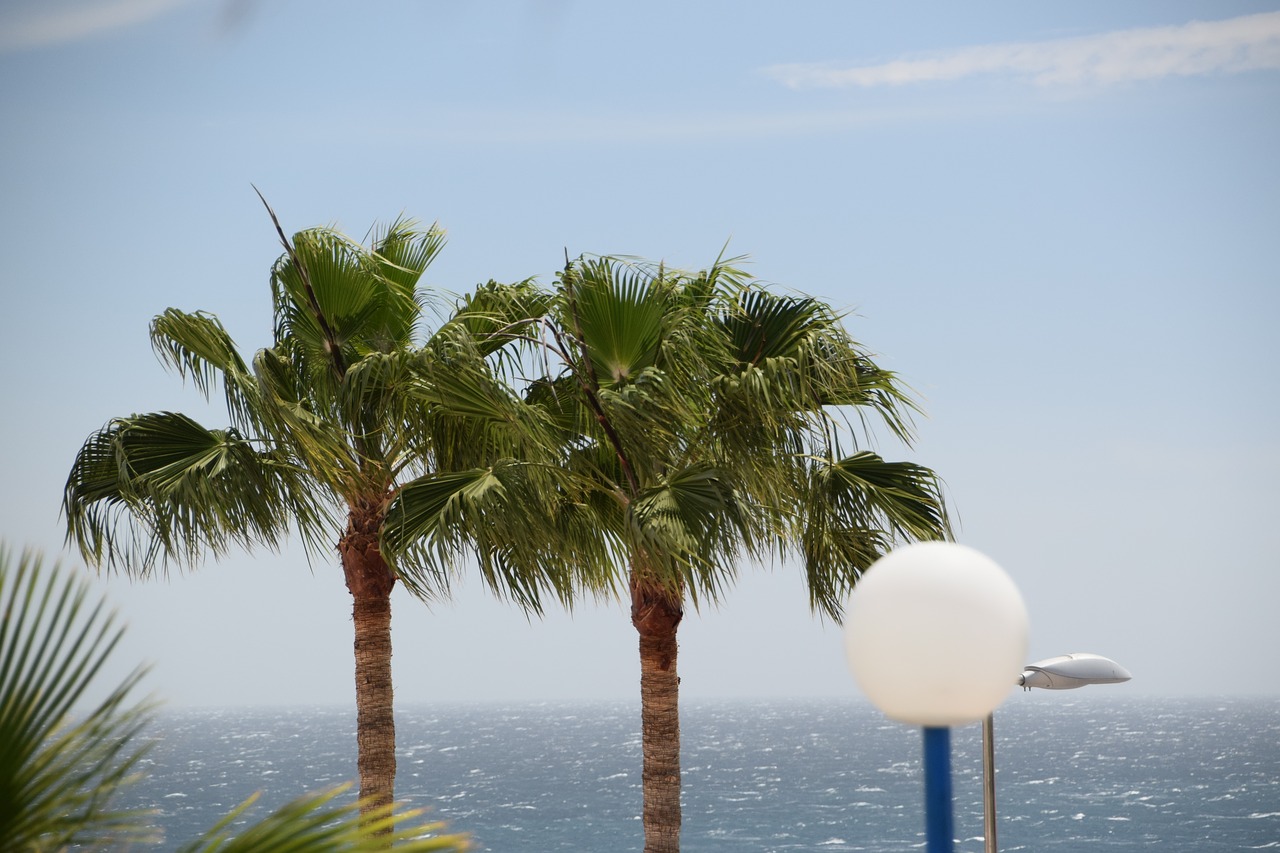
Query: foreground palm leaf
x=326, y=426
x=314, y=823
x=61, y=770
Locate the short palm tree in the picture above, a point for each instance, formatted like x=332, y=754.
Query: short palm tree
x=347, y=403
x=699, y=420
x=63, y=767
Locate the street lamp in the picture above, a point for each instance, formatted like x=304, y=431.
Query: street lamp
x=1064, y=672
x=935, y=633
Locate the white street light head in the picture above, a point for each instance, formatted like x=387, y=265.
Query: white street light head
x=936, y=634
x=1066, y=672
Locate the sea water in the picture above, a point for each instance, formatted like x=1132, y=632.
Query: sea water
x=1075, y=773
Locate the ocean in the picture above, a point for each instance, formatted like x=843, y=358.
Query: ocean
x=1076, y=773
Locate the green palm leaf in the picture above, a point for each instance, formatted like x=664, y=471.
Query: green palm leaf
x=60, y=770
x=299, y=418
x=691, y=526
x=153, y=488
x=403, y=251
x=496, y=314
x=767, y=326
x=336, y=301
x=315, y=823
x=198, y=346
x=618, y=318
x=907, y=496
x=859, y=508
x=506, y=512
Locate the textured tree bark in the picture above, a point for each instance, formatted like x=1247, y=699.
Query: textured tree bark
x=370, y=581
x=656, y=615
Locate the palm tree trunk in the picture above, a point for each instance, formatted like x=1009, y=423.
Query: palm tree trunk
x=370, y=581
x=656, y=615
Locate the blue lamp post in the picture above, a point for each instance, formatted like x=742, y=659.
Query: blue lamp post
x=935, y=635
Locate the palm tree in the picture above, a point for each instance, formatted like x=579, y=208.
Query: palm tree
x=700, y=420
x=62, y=768
x=325, y=425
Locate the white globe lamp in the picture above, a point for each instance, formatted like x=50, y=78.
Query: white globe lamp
x=936, y=636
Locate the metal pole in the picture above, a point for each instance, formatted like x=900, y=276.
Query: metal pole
x=939, y=833
x=989, y=783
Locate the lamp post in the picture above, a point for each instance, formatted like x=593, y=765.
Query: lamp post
x=935, y=633
x=1064, y=672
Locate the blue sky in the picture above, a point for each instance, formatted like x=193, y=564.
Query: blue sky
x=1059, y=223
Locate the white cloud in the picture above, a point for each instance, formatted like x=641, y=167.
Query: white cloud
x=1201, y=47
x=27, y=25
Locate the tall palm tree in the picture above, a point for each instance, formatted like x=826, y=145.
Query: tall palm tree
x=326, y=423
x=700, y=421
x=63, y=768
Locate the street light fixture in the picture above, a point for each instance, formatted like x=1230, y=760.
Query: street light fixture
x=1064, y=672
x=1068, y=671
x=935, y=633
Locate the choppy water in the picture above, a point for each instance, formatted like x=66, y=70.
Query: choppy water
x=1074, y=774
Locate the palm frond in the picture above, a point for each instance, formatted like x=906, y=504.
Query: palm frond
x=59, y=768
x=303, y=420
x=334, y=301
x=653, y=418
x=906, y=495
x=863, y=388
x=158, y=487
x=723, y=278
x=319, y=823
x=795, y=365
x=766, y=326
x=495, y=315
x=858, y=508
x=560, y=400
x=197, y=346
x=404, y=251
x=530, y=536
x=374, y=402
x=616, y=316
x=691, y=527
x=428, y=515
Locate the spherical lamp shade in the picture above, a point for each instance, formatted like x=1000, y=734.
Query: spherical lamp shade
x=936, y=634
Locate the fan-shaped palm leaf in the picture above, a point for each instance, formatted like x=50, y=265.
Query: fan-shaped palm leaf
x=856, y=509
x=495, y=314
x=691, y=528
x=315, y=823
x=521, y=522
x=156, y=488
x=617, y=317
x=59, y=770
x=198, y=347
x=403, y=251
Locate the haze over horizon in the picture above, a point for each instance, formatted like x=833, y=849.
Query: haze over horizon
x=1059, y=225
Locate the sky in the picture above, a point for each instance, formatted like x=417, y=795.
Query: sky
x=1059, y=223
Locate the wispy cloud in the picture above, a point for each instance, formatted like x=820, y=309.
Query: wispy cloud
x=1239, y=44
x=28, y=25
